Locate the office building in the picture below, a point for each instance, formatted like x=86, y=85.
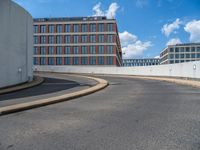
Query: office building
x=16, y=44
x=77, y=41
x=180, y=53
x=141, y=62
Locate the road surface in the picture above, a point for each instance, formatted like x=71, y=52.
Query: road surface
x=130, y=114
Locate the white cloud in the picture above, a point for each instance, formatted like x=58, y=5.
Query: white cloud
x=193, y=28
x=167, y=29
x=132, y=47
x=97, y=10
x=127, y=38
x=110, y=13
x=157, y=56
x=174, y=41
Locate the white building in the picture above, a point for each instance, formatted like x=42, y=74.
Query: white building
x=180, y=53
x=16, y=44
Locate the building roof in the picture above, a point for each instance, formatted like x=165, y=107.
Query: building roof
x=96, y=18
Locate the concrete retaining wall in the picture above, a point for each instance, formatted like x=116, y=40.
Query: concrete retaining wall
x=16, y=44
x=190, y=70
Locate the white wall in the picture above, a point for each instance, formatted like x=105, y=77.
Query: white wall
x=174, y=70
x=16, y=44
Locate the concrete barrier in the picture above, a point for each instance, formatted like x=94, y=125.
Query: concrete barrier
x=186, y=70
x=16, y=44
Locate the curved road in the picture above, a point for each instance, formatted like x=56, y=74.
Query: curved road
x=130, y=114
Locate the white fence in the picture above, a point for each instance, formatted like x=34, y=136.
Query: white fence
x=189, y=70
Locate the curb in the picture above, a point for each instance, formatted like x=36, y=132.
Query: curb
x=43, y=102
x=36, y=81
x=192, y=83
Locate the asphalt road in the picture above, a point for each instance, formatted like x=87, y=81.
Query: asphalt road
x=50, y=85
x=130, y=114
x=54, y=85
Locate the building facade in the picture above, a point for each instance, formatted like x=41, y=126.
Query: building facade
x=180, y=53
x=141, y=62
x=76, y=41
x=16, y=44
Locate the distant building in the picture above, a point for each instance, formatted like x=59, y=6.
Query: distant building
x=16, y=44
x=141, y=62
x=77, y=41
x=180, y=53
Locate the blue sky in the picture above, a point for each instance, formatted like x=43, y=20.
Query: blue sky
x=145, y=26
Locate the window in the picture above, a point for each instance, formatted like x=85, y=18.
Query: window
x=176, y=61
x=109, y=60
x=76, y=28
x=51, y=29
x=42, y=61
x=75, y=50
x=36, y=51
x=84, y=38
x=67, y=39
x=84, y=60
x=109, y=50
x=75, y=61
x=193, y=55
x=187, y=55
x=59, y=39
x=67, y=28
x=101, y=50
x=67, y=50
x=177, y=56
x=92, y=38
x=101, y=38
x=35, y=39
x=177, y=50
x=198, y=49
x=182, y=55
x=59, y=28
x=59, y=50
x=92, y=50
x=109, y=27
x=43, y=29
x=171, y=56
x=101, y=60
x=92, y=60
x=92, y=27
x=36, y=29
x=51, y=61
x=187, y=49
x=171, y=50
x=43, y=39
x=84, y=50
x=193, y=49
x=51, y=39
x=182, y=49
x=110, y=38
x=67, y=61
x=84, y=28
x=51, y=50
x=101, y=27
x=59, y=61
x=198, y=55
x=75, y=38
x=36, y=61
x=43, y=50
